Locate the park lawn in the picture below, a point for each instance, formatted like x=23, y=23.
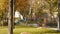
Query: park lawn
x=30, y=30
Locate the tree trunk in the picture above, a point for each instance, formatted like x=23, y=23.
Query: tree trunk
x=59, y=12
x=10, y=17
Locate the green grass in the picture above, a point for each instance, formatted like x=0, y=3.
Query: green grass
x=31, y=30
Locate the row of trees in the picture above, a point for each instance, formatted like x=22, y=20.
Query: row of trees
x=36, y=5
x=37, y=8
x=30, y=8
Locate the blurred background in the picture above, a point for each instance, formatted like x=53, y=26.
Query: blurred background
x=36, y=13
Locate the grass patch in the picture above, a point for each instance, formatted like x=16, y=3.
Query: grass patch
x=24, y=27
x=34, y=31
x=31, y=30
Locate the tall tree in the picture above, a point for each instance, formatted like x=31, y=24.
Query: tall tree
x=59, y=13
x=10, y=17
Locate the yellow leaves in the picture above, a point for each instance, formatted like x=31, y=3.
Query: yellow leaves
x=3, y=4
x=22, y=4
x=53, y=1
x=2, y=1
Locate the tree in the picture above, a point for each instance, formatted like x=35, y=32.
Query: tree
x=10, y=17
x=3, y=5
x=59, y=13
x=22, y=6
